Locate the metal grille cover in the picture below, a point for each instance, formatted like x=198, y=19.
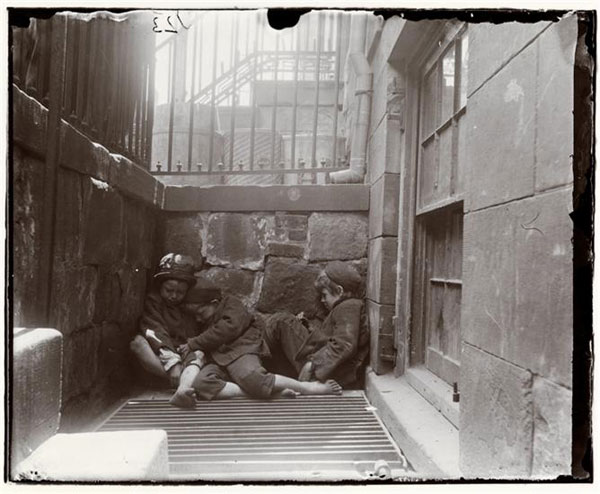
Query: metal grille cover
x=310, y=438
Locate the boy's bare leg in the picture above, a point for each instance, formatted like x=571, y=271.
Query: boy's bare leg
x=329, y=387
x=230, y=390
x=146, y=357
x=185, y=396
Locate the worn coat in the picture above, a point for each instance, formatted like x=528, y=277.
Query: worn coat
x=340, y=346
x=171, y=326
x=231, y=332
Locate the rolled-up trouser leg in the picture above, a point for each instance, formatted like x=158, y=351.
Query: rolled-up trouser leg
x=249, y=374
x=210, y=381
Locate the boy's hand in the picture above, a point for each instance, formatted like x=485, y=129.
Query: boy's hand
x=183, y=350
x=306, y=373
x=174, y=375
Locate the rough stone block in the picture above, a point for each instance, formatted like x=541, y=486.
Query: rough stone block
x=80, y=154
x=108, y=295
x=133, y=282
x=280, y=249
x=496, y=423
x=492, y=45
x=134, y=181
x=291, y=221
x=28, y=188
x=183, y=234
x=381, y=331
x=113, y=348
x=381, y=283
x=30, y=120
x=102, y=239
x=36, y=390
x=138, y=226
x=297, y=235
x=69, y=223
x=340, y=236
x=238, y=282
x=289, y=285
x=236, y=240
x=73, y=297
x=517, y=287
x=383, y=211
x=80, y=361
x=384, y=150
x=501, y=135
x=554, y=144
x=100, y=456
x=552, y=429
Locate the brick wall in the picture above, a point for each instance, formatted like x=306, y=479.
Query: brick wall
x=102, y=254
x=517, y=314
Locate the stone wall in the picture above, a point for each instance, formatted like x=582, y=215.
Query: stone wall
x=102, y=254
x=517, y=318
x=271, y=259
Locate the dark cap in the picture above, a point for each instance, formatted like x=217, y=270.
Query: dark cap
x=176, y=267
x=344, y=275
x=204, y=292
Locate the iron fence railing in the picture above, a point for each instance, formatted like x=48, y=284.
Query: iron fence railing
x=108, y=76
x=243, y=98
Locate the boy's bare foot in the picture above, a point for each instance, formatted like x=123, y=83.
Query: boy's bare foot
x=329, y=387
x=286, y=393
x=183, y=398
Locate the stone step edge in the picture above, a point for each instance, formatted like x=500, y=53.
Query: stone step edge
x=427, y=439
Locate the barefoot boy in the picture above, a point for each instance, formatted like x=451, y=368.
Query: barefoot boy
x=233, y=342
x=336, y=350
x=164, y=326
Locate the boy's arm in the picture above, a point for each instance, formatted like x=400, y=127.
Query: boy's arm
x=234, y=320
x=342, y=344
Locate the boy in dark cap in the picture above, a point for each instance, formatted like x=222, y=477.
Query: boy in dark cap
x=164, y=326
x=233, y=342
x=339, y=347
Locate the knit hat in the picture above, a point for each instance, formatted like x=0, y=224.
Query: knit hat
x=344, y=275
x=203, y=293
x=176, y=267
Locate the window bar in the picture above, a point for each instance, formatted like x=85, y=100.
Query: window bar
x=211, y=144
x=275, y=98
x=70, y=67
x=16, y=37
x=91, y=68
x=96, y=114
x=338, y=56
x=235, y=62
x=192, y=92
x=149, y=122
x=253, y=95
x=136, y=95
x=122, y=61
x=44, y=64
x=313, y=163
x=172, y=101
x=113, y=105
x=295, y=104
x=107, y=68
x=129, y=95
x=141, y=90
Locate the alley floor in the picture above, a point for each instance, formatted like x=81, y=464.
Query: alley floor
x=307, y=438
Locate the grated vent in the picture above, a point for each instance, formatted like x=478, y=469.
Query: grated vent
x=305, y=438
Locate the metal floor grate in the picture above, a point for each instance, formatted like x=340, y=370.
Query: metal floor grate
x=305, y=438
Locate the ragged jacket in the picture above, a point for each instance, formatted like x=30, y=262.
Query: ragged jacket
x=232, y=332
x=169, y=326
x=338, y=349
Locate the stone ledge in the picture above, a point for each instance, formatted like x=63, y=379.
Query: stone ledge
x=227, y=198
x=427, y=439
x=99, y=456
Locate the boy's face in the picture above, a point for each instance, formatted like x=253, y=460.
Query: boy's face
x=173, y=292
x=329, y=298
x=204, y=312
